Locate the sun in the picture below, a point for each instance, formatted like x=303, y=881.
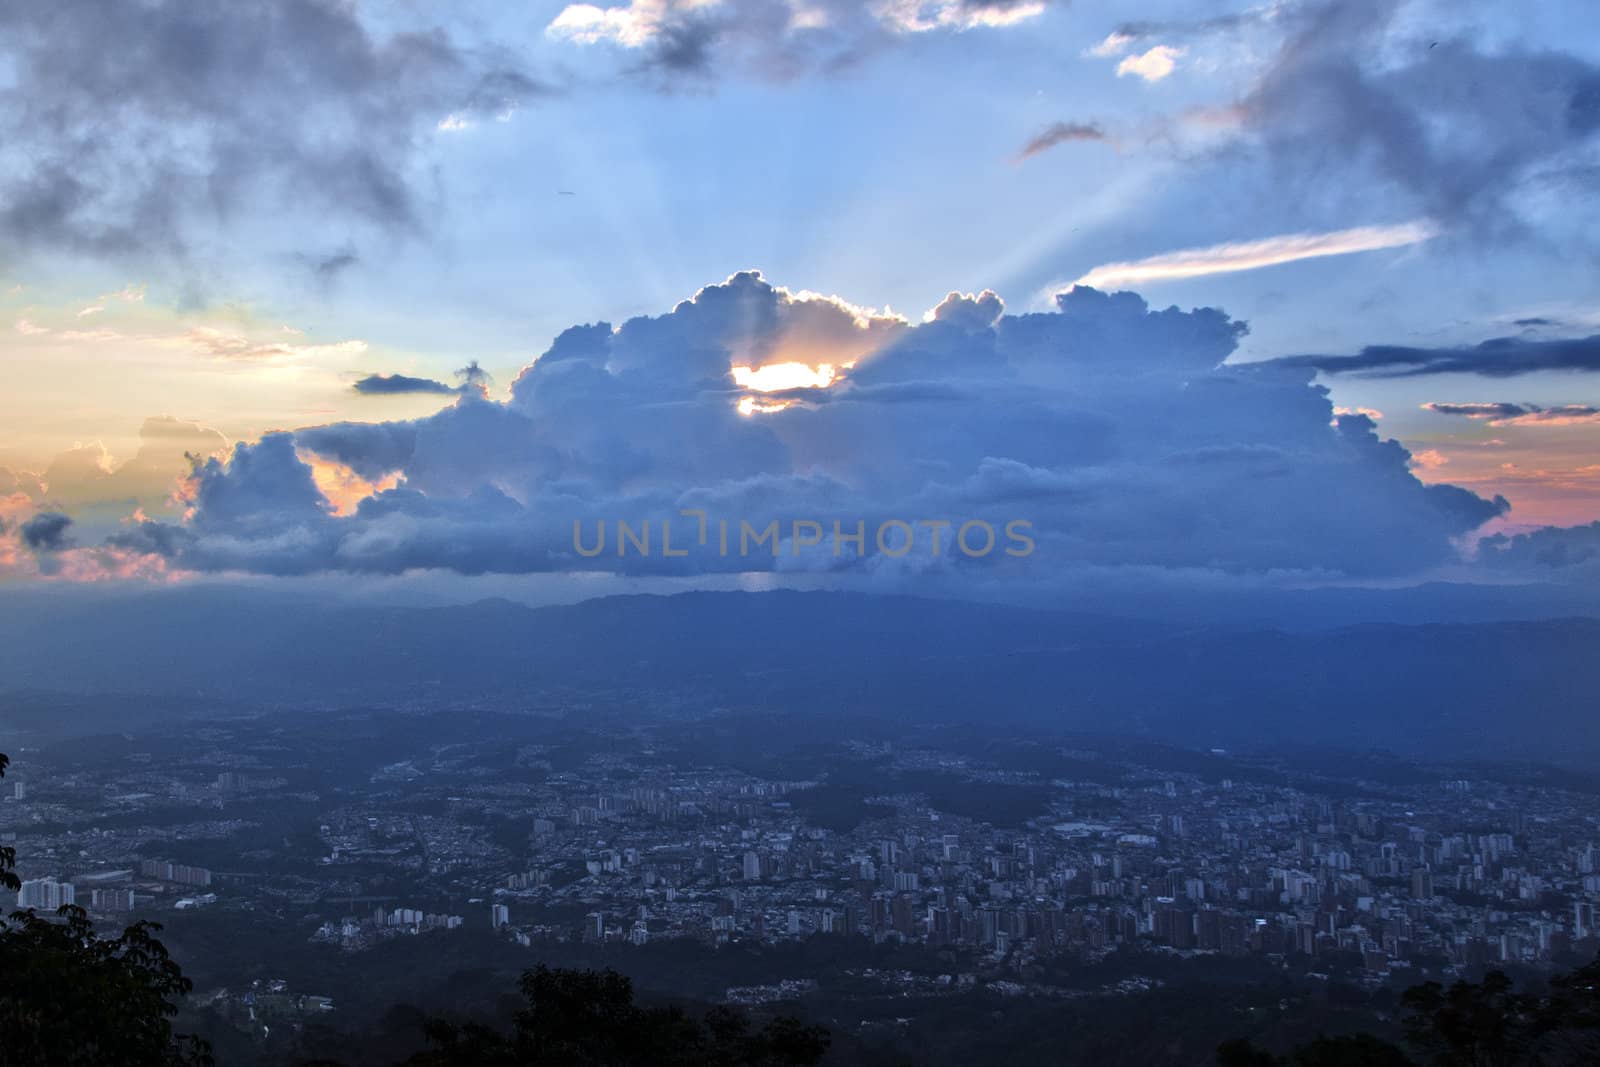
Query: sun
x=782, y=377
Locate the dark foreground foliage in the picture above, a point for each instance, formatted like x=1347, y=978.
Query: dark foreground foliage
x=70, y=997
x=589, y=1019
x=1482, y=1024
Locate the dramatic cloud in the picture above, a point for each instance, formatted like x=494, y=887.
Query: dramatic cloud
x=1504, y=414
x=1252, y=255
x=771, y=38
x=1499, y=357
x=1061, y=133
x=1456, y=130
x=1105, y=434
x=127, y=123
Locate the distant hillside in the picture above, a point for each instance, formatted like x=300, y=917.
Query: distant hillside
x=1517, y=689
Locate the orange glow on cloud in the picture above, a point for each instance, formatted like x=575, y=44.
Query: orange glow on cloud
x=1546, y=486
x=95, y=564
x=344, y=488
x=114, y=565
x=1429, y=459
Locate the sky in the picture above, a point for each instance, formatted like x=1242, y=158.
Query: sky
x=1211, y=295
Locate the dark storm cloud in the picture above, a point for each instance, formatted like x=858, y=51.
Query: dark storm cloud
x=1499, y=357
x=124, y=122
x=1455, y=129
x=47, y=532
x=1058, y=133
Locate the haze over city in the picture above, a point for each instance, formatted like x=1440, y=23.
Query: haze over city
x=815, y=531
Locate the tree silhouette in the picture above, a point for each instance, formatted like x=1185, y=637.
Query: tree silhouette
x=8, y=855
x=1477, y=1024
x=1351, y=1050
x=71, y=997
x=589, y=1019
x=1470, y=1024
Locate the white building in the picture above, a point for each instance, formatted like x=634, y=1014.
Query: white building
x=45, y=894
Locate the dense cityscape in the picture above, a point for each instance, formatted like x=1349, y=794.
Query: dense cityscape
x=1004, y=854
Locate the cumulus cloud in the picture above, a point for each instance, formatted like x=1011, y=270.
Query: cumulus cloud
x=1059, y=133
x=210, y=108
x=1498, y=357
x=21, y=484
x=1112, y=432
x=771, y=38
x=1253, y=255
x=1551, y=548
x=1506, y=414
x=1152, y=65
x=94, y=485
x=977, y=311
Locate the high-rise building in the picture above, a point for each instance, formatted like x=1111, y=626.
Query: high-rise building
x=111, y=899
x=499, y=915
x=45, y=894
